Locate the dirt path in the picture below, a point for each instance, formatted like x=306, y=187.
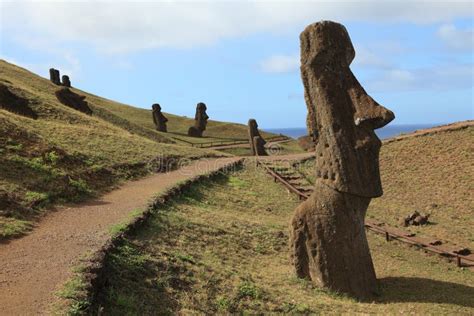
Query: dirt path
x=32, y=268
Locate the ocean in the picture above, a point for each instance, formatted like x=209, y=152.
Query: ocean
x=383, y=133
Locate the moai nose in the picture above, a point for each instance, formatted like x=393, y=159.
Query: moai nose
x=372, y=115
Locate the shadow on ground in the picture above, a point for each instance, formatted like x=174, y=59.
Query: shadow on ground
x=420, y=290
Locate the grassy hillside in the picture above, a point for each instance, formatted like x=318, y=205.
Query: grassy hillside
x=432, y=174
x=177, y=125
x=221, y=248
x=66, y=155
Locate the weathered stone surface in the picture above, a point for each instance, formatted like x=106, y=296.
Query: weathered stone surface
x=200, y=121
x=158, y=118
x=327, y=236
x=73, y=100
x=54, y=76
x=66, y=81
x=14, y=103
x=257, y=143
x=259, y=146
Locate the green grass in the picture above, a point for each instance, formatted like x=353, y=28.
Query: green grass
x=221, y=247
x=68, y=156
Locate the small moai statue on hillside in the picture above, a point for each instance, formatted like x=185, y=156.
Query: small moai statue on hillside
x=257, y=143
x=200, y=121
x=54, y=76
x=66, y=81
x=158, y=118
x=328, y=244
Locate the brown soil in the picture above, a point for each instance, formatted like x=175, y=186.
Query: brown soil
x=32, y=268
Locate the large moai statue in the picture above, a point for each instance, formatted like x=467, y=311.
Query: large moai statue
x=54, y=76
x=158, y=118
x=66, y=81
x=200, y=121
x=257, y=143
x=327, y=236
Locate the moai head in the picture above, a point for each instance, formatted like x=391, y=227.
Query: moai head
x=340, y=112
x=54, y=76
x=66, y=81
x=201, y=116
x=253, y=126
x=156, y=107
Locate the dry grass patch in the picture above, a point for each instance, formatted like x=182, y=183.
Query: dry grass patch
x=222, y=248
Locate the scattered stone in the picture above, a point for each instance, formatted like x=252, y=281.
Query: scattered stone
x=54, y=76
x=14, y=103
x=257, y=143
x=73, y=100
x=66, y=81
x=463, y=251
x=200, y=121
x=415, y=219
x=328, y=244
x=158, y=118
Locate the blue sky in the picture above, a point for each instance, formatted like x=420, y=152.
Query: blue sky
x=242, y=58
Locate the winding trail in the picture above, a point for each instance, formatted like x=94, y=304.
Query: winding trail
x=33, y=267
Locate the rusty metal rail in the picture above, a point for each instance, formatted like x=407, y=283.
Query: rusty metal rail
x=278, y=177
x=431, y=245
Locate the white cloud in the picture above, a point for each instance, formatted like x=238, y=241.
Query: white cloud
x=280, y=64
x=367, y=58
x=462, y=39
x=438, y=78
x=127, y=26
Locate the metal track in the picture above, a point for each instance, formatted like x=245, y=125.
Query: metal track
x=431, y=245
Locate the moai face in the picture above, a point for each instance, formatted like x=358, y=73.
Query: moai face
x=156, y=107
x=341, y=112
x=253, y=126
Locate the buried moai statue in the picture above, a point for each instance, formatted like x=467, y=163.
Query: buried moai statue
x=66, y=81
x=14, y=103
x=257, y=143
x=54, y=76
x=327, y=237
x=73, y=100
x=200, y=121
x=158, y=118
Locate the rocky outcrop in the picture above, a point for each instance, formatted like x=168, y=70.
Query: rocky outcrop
x=327, y=236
